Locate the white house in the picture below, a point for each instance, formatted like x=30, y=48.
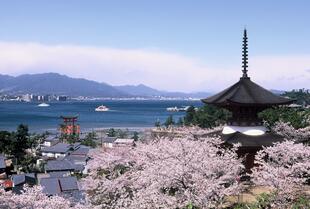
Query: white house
x=123, y=142
x=50, y=141
x=108, y=142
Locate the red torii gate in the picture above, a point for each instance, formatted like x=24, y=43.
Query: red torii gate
x=70, y=126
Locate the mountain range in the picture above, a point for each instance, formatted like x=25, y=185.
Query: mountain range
x=53, y=83
x=143, y=90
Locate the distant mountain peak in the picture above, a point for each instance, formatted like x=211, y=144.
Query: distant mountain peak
x=143, y=90
x=54, y=83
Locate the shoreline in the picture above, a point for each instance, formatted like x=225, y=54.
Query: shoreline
x=97, y=130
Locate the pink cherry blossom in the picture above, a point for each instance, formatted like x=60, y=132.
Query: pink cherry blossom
x=164, y=173
x=284, y=167
x=289, y=132
x=34, y=198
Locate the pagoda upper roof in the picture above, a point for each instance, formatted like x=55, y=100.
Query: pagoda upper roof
x=246, y=93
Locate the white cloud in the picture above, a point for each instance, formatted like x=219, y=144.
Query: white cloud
x=161, y=70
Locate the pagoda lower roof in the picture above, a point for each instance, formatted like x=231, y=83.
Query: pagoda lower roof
x=246, y=92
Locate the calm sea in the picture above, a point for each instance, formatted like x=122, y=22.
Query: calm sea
x=125, y=113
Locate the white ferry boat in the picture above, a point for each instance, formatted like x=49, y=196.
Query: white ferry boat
x=43, y=105
x=184, y=108
x=172, y=109
x=101, y=108
x=177, y=109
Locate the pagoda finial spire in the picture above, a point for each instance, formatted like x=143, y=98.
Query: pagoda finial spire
x=245, y=54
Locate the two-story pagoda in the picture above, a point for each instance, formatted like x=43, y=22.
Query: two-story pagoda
x=245, y=99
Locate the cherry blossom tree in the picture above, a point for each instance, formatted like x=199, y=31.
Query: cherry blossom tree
x=34, y=198
x=164, y=173
x=289, y=132
x=173, y=132
x=285, y=167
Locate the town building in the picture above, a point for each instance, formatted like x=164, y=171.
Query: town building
x=60, y=165
x=110, y=142
x=26, y=98
x=62, y=98
x=19, y=180
x=57, y=150
x=60, y=185
x=2, y=167
x=50, y=141
x=124, y=142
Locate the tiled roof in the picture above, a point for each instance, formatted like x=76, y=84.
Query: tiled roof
x=53, y=186
x=42, y=176
x=2, y=163
x=76, y=158
x=81, y=151
x=246, y=92
x=79, y=168
x=50, y=186
x=68, y=183
x=59, y=165
x=109, y=140
x=51, y=138
x=58, y=174
x=57, y=148
x=18, y=179
x=76, y=145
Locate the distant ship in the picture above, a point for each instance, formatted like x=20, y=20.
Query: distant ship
x=172, y=109
x=177, y=109
x=101, y=108
x=43, y=105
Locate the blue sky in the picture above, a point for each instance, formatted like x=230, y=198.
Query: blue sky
x=206, y=35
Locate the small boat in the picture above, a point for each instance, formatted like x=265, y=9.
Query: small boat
x=184, y=108
x=172, y=109
x=177, y=109
x=43, y=105
x=101, y=108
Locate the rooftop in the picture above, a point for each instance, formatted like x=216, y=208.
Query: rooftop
x=81, y=151
x=18, y=179
x=50, y=186
x=77, y=158
x=246, y=92
x=59, y=165
x=53, y=186
x=124, y=141
x=76, y=145
x=57, y=148
x=109, y=139
x=2, y=163
x=56, y=174
x=51, y=138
